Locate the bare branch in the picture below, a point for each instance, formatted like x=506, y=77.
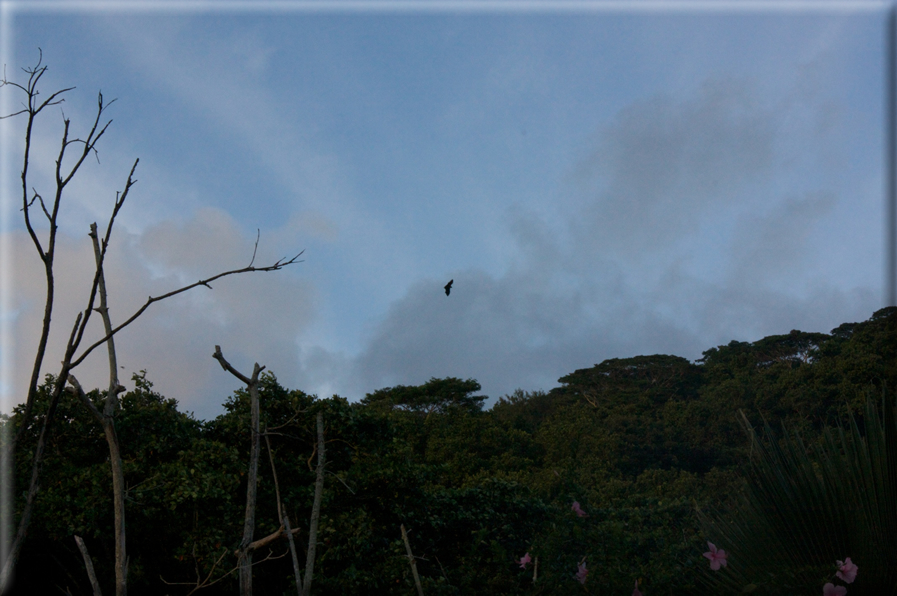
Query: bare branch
x=98, y=272
x=47, y=256
x=37, y=197
x=274, y=472
x=285, y=520
x=119, y=492
x=443, y=569
x=205, y=583
x=35, y=73
x=90, y=572
x=114, y=386
x=79, y=393
x=280, y=533
x=245, y=552
x=89, y=144
x=297, y=575
x=273, y=434
x=311, y=457
x=258, y=235
x=33, y=105
x=341, y=480
x=413, y=563
x=227, y=366
x=204, y=282
x=268, y=430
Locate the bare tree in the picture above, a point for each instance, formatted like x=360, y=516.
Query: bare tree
x=284, y=530
x=247, y=545
x=70, y=361
x=106, y=418
x=245, y=553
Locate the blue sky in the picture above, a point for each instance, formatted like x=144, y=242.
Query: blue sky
x=598, y=183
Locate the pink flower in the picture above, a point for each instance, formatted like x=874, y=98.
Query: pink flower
x=579, y=510
x=636, y=591
x=833, y=590
x=847, y=571
x=717, y=557
x=524, y=560
x=582, y=574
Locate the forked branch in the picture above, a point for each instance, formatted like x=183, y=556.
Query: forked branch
x=200, y=584
x=203, y=282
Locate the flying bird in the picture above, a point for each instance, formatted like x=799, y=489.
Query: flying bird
x=448, y=287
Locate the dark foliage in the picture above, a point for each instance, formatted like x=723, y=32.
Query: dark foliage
x=637, y=442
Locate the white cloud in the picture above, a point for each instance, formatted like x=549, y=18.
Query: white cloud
x=254, y=316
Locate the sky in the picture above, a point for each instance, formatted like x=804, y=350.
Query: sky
x=599, y=180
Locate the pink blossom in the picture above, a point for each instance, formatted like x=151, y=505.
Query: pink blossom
x=579, y=510
x=583, y=573
x=636, y=591
x=717, y=557
x=847, y=571
x=524, y=560
x=833, y=590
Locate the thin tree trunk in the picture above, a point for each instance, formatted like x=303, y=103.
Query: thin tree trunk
x=118, y=489
x=420, y=589
x=90, y=572
x=252, y=482
x=251, y=491
x=316, y=508
x=107, y=419
x=284, y=519
x=296, y=574
x=118, y=495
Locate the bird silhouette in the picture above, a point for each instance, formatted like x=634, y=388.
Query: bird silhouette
x=448, y=287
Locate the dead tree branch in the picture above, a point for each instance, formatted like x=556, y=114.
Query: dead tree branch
x=198, y=585
x=89, y=564
x=262, y=542
x=203, y=282
x=107, y=421
x=46, y=250
x=412, y=562
x=206, y=583
x=47, y=256
x=245, y=552
x=296, y=574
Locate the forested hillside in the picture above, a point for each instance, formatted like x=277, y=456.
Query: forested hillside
x=638, y=443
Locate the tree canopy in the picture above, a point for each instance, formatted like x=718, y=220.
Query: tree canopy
x=636, y=442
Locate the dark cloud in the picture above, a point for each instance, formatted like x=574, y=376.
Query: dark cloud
x=662, y=165
x=769, y=246
x=679, y=240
